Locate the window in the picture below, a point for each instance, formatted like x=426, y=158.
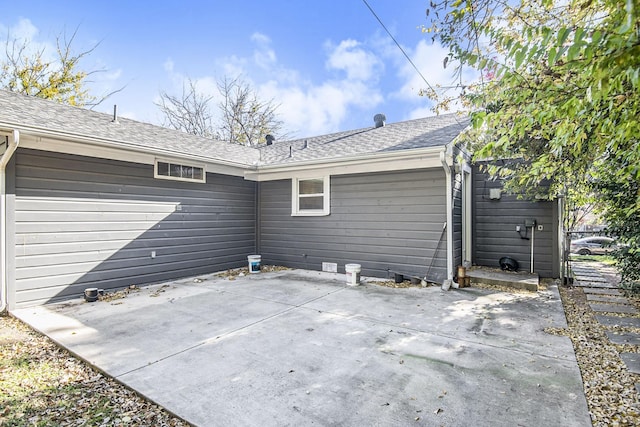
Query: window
x=310, y=197
x=179, y=172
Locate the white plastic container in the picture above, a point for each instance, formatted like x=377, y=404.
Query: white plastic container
x=254, y=263
x=352, y=274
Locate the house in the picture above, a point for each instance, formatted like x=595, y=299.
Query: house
x=93, y=200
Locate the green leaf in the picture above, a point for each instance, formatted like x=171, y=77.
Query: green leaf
x=553, y=52
x=563, y=33
x=574, y=51
x=520, y=55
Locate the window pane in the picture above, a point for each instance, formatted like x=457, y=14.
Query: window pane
x=187, y=172
x=197, y=173
x=176, y=170
x=310, y=186
x=163, y=168
x=314, y=202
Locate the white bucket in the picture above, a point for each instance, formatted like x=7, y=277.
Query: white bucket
x=254, y=263
x=353, y=274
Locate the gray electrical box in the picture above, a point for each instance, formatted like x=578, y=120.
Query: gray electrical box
x=529, y=222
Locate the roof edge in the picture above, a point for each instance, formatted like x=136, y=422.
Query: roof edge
x=117, y=144
x=375, y=162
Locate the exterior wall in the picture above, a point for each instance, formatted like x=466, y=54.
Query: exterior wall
x=84, y=222
x=494, y=229
x=387, y=222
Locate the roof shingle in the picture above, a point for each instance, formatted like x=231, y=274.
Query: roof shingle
x=432, y=131
x=22, y=111
x=27, y=111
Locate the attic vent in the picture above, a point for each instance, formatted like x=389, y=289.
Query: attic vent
x=270, y=138
x=379, y=119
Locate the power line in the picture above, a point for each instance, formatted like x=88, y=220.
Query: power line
x=398, y=44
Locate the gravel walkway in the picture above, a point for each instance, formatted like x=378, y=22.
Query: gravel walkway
x=604, y=326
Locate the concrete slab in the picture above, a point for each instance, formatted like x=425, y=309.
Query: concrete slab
x=594, y=277
x=302, y=348
x=586, y=271
x=518, y=280
x=613, y=299
x=627, y=322
x=632, y=360
x=468, y=313
x=601, y=285
x=602, y=291
x=613, y=308
x=624, y=338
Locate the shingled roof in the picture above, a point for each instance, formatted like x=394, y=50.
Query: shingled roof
x=35, y=114
x=432, y=131
x=19, y=111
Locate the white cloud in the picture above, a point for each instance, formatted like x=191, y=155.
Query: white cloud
x=313, y=108
x=350, y=57
x=27, y=34
x=263, y=56
x=206, y=85
x=306, y=107
x=23, y=30
x=309, y=109
x=234, y=66
x=429, y=59
x=420, y=112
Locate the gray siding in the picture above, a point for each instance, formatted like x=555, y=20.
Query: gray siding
x=84, y=222
x=383, y=221
x=494, y=229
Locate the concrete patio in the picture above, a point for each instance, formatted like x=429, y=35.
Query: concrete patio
x=299, y=347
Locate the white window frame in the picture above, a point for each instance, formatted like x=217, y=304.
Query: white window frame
x=326, y=193
x=178, y=178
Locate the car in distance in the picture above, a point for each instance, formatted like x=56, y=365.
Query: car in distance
x=595, y=245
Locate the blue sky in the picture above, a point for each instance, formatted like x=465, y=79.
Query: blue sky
x=328, y=64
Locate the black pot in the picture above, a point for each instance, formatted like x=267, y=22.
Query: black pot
x=508, y=264
x=91, y=294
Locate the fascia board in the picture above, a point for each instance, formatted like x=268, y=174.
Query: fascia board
x=408, y=159
x=95, y=147
x=42, y=139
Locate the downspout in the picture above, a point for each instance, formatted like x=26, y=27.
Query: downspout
x=12, y=146
x=258, y=218
x=449, y=196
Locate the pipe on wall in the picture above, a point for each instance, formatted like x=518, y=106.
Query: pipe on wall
x=533, y=234
x=14, y=141
x=449, y=197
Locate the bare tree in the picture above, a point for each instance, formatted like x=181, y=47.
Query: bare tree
x=58, y=78
x=246, y=119
x=243, y=118
x=190, y=112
